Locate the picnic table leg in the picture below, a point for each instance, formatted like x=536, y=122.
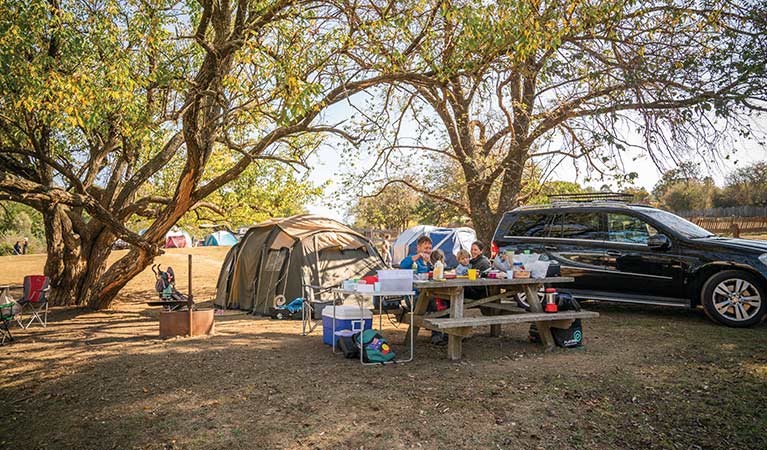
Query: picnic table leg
x=495, y=330
x=531, y=292
x=454, y=345
x=418, y=312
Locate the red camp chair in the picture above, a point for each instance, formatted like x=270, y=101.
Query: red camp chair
x=35, y=290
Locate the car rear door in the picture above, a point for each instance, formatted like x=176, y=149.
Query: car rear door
x=576, y=240
x=523, y=230
x=635, y=269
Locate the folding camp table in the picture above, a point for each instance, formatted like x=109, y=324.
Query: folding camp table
x=361, y=296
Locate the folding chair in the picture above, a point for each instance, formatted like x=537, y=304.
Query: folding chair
x=7, y=314
x=35, y=290
x=311, y=308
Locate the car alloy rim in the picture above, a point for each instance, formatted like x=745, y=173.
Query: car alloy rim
x=737, y=299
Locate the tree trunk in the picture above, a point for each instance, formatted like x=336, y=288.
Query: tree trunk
x=66, y=262
x=78, y=259
x=102, y=293
x=484, y=219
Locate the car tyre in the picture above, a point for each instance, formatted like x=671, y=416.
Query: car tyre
x=734, y=298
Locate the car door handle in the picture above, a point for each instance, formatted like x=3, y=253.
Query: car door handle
x=614, y=253
x=550, y=248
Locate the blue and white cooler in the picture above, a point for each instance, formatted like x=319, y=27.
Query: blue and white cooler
x=347, y=318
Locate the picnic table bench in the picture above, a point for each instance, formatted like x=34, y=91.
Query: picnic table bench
x=456, y=326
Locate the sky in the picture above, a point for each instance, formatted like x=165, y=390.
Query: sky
x=327, y=165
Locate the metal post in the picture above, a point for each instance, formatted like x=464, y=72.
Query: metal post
x=190, y=298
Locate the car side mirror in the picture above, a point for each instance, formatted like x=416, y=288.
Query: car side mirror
x=659, y=242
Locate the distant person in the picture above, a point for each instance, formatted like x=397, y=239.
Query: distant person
x=17, y=248
x=386, y=250
x=25, y=247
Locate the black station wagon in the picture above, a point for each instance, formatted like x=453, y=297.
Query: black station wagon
x=637, y=254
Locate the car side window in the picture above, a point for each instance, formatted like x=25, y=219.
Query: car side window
x=628, y=229
x=586, y=225
x=529, y=225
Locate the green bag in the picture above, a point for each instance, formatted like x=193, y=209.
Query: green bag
x=374, y=346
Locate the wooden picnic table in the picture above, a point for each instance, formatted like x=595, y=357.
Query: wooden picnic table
x=456, y=326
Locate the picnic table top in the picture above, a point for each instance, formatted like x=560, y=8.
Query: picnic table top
x=463, y=282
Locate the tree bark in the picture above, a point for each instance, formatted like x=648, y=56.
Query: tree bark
x=77, y=255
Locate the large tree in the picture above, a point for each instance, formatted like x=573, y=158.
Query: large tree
x=532, y=80
x=98, y=98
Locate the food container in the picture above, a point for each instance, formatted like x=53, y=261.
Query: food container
x=365, y=287
x=538, y=269
x=395, y=280
x=521, y=274
x=526, y=258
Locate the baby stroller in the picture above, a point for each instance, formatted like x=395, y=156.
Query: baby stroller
x=170, y=298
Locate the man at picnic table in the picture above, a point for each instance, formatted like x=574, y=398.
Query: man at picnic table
x=421, y=258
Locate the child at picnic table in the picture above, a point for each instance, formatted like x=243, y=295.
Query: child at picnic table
x=463, y=258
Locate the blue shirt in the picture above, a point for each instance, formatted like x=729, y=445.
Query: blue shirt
x=461, y=269
x=407, y=263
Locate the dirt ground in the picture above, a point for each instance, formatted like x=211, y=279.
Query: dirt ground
x=647, y=378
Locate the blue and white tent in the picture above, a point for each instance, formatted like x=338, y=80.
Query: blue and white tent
x=222, y=237
x=449, y=240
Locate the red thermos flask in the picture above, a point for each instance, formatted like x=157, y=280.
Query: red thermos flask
x=550, y=300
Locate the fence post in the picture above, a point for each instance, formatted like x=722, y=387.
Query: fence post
x=735, y=230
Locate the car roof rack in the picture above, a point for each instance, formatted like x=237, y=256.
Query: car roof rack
x=619, y=199
x=589, y=197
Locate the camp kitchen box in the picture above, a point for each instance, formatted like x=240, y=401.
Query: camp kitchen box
x=396, y=280
x=346, y=318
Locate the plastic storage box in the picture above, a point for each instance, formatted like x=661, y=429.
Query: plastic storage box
x=395, y=280
x=347, y=318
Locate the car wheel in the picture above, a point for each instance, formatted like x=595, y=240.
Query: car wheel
x=521, y=300
x=734, y=298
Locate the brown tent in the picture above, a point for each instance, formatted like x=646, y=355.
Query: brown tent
x=280, y=256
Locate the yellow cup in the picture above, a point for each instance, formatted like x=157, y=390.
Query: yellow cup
x=472, y=274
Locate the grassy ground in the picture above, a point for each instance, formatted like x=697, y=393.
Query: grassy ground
x=647, y=378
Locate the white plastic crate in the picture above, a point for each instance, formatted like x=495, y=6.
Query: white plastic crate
x=395, y=280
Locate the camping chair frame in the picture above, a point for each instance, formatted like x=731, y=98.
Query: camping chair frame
x=6, y=316
x=37, y=307
x=312, y=296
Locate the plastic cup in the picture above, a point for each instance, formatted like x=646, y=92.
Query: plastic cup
x=472, y=274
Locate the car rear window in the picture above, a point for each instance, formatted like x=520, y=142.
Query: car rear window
x=529, y=225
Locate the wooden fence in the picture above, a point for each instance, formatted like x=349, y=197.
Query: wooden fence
x=732, y=225
x=733, y=211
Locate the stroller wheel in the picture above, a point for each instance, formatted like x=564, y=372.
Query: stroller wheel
x=279, y=300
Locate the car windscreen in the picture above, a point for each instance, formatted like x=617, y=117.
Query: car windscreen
x=678, y=224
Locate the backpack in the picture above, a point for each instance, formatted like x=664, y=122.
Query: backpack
x=375, y=349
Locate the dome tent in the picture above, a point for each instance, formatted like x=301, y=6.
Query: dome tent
x=221, y=237
x=280, y=256
x=449, y=240
x=177, y=238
